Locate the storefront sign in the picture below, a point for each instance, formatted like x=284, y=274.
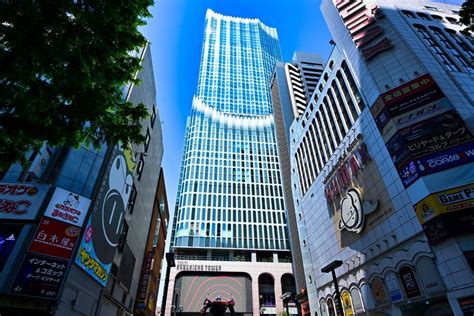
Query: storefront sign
x=104, y=228
x=347, y=303
x=56, y=239
x=446, y=159
x=378, y=291
x=145, y=276
x=331, y=307
x=348, y=167
x=68, y=207
x=20, y=201
x=391, y=280
x=357, y=300
x=452, y=200
x=361, y=22
x=422, y=139
x=8, y=235
x=185, y=266
x=429, y=276
x=467, y=305
x=448, y=225
x=405, y=98
x=354, y=209
x=39, y=276
x=409, y=282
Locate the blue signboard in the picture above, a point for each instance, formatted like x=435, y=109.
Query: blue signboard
x=443, y=160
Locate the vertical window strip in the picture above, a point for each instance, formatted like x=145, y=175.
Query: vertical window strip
x=318, y=148
x=309, y=160
x=441, y=38
x=355, y=91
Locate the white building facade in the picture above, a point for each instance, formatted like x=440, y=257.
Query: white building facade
x=382, y=163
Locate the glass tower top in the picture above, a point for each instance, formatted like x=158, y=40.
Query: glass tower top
x=230, y=192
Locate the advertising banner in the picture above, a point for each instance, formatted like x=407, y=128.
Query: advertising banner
x=142, y=289
x=21, y=201
x=379, y=292
x=409, y=282
x=446, y=159
x=347, y=303
x=56, y=239
x=422, y=139
x=8, y=236
x=39, y=276
x=104, y=228
x=68, y=207
x=405, y=98
x=391, y=280
x=452, y=200
x=448, y=225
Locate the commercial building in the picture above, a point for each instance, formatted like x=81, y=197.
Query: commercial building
x=382, y=163
x=290, y=97
x=76, y=222
x=229, y=232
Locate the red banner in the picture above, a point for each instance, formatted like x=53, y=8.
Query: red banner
x=54, y=238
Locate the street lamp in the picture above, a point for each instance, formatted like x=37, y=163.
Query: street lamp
x=332, y=268
x=169, y=264
x=286, y=297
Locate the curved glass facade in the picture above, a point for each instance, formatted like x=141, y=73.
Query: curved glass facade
x=230, y=193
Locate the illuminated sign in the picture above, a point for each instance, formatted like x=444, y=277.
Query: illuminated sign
x=20, y=201
x=452, y=200
x=8, y=236
x=361, y=21
x=68, y=207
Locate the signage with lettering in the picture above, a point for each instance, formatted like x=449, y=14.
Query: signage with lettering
x=185, y=266
x=443, y=160
x=54, y=238
x=447, y=201
x=145, y=276
x=422, y=139
x=409, y=282
x=39, y=276
x=8, y=236
x=467, y=305
x=346, y=169
x=21, y=201
x=102, y=236
x=357, y=300
x=449, y=224
x=429, y=276
x=68, y=207
x=391, y=280
x=361, y=22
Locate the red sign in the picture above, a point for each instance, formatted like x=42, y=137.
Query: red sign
x=145, y=276
x=56, y=239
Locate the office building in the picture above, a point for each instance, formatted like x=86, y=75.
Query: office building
x=229, y=232
x=382, y=163
x=289, y=97
x=78, y=245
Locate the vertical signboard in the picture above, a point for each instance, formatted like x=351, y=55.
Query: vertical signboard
x=103, y=230
x=409, y=282
x=391, y=280
x=379, y=292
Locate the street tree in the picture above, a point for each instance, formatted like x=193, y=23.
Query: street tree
x=63, y=65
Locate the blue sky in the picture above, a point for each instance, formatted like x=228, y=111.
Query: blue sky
x=176, y=33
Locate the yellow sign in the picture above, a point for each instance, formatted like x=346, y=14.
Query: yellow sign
x=347, y=304
x=447, y=201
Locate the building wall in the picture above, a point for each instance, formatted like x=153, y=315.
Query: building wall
x=377, y=257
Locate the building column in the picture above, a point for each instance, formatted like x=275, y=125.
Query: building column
x=255, y=294
x=277, y=289
x=170, y=294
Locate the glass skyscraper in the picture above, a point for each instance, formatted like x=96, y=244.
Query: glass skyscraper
x=230, y=209
x=230, y=193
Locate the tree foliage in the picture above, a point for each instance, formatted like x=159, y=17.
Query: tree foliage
x=466, y=15
x=63, y=65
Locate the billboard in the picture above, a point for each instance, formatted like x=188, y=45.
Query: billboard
x=446, y=159
x=8, y=235
x=449, y=224
x=21, y=201
x=55, y=238
x=67, y=207
x=447, y=201
x=103, y=230
x=39, y=276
